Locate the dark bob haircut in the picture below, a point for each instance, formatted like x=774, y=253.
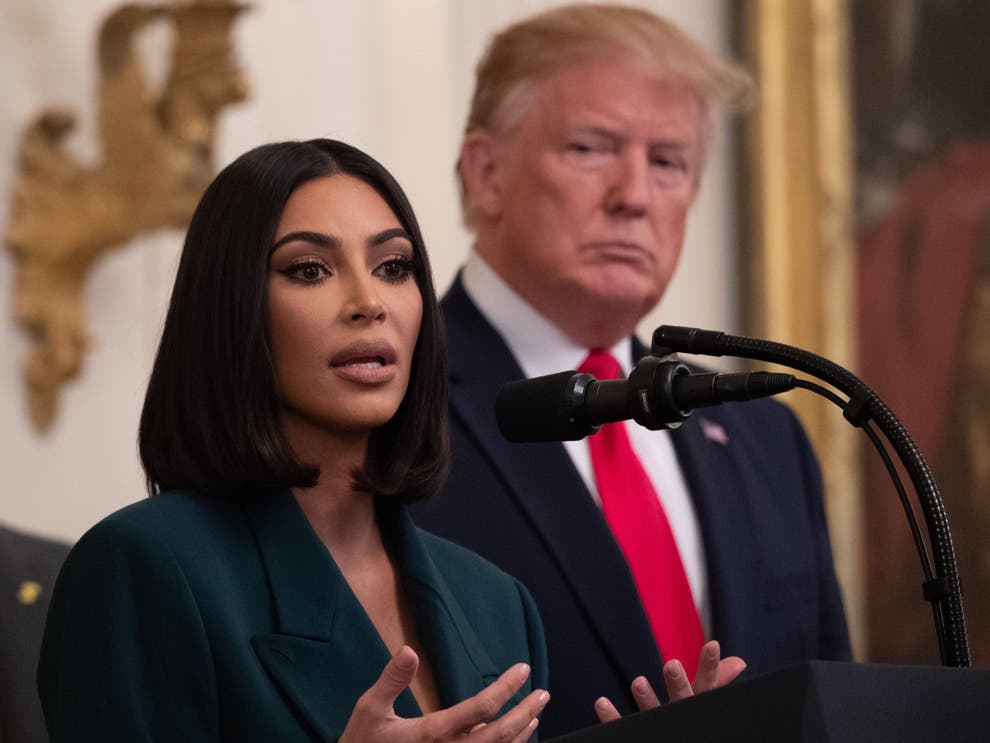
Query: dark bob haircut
x=211, y=417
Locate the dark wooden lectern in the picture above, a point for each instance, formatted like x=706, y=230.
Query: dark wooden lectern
x=819, y=702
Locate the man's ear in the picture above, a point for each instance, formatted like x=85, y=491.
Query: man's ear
x=480, y=169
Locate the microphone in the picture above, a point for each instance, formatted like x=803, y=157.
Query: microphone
x=659, y=393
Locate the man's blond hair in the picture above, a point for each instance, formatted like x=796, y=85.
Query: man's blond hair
x=522, y=54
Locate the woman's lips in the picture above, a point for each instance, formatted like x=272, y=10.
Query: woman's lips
x=365, y=362
x=370, y=363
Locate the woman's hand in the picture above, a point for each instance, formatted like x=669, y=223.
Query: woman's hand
x=374, y=718
x=713, y=672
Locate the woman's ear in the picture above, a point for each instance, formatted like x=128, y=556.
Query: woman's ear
x=480, y=171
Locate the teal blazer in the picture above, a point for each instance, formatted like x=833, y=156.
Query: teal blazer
x=185, y=618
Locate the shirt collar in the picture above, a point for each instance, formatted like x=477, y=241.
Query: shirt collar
x=538, y=345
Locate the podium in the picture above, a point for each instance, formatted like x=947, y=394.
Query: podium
x=819, y=702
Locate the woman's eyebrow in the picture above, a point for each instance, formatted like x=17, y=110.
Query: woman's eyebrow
x=316, y=238
x=386, y=235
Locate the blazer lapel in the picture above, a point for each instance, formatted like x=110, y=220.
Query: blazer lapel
x=571, y=523
x=461, y=665
x=718, y=490
x=324, y=651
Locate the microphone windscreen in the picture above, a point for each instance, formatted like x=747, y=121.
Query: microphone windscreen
x=540, y=409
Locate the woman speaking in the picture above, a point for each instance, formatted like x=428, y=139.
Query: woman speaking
x=273, y=587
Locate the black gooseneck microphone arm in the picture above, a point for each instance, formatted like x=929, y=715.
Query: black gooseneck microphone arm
x=944, y=588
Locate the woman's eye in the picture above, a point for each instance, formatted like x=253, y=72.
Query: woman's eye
x=395, y=270
x=307, y=272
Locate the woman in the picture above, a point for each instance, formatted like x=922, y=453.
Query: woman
x=273, y=587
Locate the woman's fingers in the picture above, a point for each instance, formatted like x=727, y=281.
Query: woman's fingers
x=519, y=723
x=395, y=677
x=676, y=680
x=373, y=713
x=715, y=671
x=484, y=705
x=605, y=710
x=706, y=677
x=526, y=734
x=471, y=714
x=374, y=718
x=643, y=693
x=712, y=673
x=729, y=669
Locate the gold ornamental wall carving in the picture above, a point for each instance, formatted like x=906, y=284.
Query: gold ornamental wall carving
x=157, y=153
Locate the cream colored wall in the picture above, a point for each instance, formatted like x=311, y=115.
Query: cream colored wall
x=390, y=76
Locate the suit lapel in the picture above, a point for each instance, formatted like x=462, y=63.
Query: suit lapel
x=718, y=490
x=461, y=665
x=324, y=652
x=570, y=524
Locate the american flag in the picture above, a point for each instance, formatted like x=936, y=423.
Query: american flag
x=714, y=432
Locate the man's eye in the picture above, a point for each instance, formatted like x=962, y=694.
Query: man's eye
x=598, y=148
x=589, y=154
x=667, y=162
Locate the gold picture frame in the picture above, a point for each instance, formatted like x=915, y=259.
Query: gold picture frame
x=796, y=202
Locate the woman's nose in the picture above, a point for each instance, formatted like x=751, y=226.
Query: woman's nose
x=364, y=302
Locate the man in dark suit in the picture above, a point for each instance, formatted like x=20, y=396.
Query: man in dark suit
x=582, y=154
x=28, y=567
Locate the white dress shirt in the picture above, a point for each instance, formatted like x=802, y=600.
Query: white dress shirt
x=541, y=348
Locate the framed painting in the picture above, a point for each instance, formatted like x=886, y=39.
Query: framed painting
x=866, y=190
x=921, y=82
x=795, y=206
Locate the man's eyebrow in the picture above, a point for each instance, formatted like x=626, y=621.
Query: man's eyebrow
x=316, y=238
x=604, y=131
x=677, y=144
x=599, y=131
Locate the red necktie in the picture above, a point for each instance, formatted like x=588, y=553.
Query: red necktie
x=640, y=527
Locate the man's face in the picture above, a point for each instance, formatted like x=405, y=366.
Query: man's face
x=595, y=180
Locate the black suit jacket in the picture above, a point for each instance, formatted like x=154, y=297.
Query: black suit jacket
x=28, y=566
x=774, y=595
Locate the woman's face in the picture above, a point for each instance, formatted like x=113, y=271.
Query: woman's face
x=344, y=307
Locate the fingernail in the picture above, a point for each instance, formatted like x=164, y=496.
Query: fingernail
x=533, y=723
x=601, y=703
x=676, y=669
x=523, y=670
x=711, y=650
x=640, y=686
x=542, y=697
